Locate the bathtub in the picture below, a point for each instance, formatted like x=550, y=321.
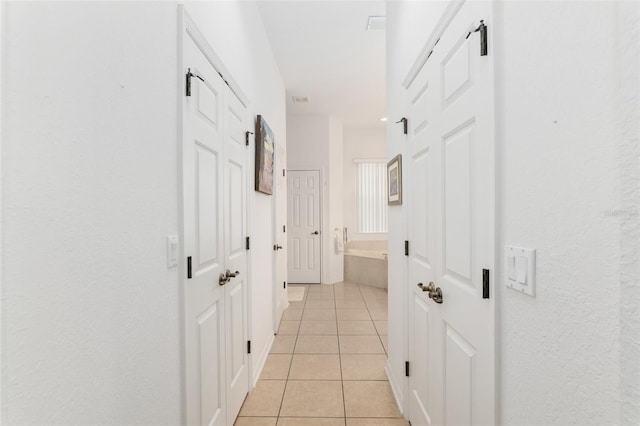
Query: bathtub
x=365, y=262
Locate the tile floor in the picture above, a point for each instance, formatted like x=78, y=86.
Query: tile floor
x=326, y=366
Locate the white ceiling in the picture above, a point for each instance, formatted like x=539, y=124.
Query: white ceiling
x=324, y=52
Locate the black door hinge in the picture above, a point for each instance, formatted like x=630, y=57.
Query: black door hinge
x=248, y=346
x=284, y=172
x=482, y=28
x=189, y=75
x=405, y=124
x=189, y=267
x=406, y=248
x=485, y=283
x=246, y=137
x=284, y=228
x=248, y=243
x=406, y=368
x=284, y=284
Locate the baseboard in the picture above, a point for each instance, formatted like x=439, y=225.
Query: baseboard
x=396, y=388
x=261, y=361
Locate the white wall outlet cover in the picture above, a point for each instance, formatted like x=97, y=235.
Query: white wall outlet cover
x=172, y=251
x=520, y=269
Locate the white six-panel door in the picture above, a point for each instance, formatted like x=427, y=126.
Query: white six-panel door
x=235, y=223
x=214, y=171
x=451, y=227
x=203, y=166
x=303, y=188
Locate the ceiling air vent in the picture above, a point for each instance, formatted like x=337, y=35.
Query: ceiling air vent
x=376, y=23
x=300, y=99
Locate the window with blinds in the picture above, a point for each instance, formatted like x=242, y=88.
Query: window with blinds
x=371, y=190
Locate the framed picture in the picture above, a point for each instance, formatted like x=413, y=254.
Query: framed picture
x=394, y=181
x=264, y=156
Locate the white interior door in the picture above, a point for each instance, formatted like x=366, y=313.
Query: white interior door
x=451, y=147
x=422, y=194
x=235, y=230
x=280, y=299
x=203, y=166
x=303, y=189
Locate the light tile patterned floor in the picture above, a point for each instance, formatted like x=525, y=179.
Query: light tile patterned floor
x=326, y=366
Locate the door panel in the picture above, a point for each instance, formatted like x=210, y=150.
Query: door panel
x=419, y=344
x=459, y=373
x=304, y=229
x=451, y=196
x=457, y=203
x=202, y=187
x=211, y=357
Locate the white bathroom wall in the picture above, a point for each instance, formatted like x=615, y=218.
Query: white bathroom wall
x=237, y=35
x=91, y=315
x=359, y=144
x=315, y=143
x=567, y=186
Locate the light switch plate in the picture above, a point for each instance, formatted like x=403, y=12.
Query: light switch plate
x=520, y=269
x=172, y=251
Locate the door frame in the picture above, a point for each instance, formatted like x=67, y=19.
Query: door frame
x=188, y=28
x=321, y=217
x=447, y=17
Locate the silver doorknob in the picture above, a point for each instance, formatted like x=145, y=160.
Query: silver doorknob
x=230, y=274
x=223, y=279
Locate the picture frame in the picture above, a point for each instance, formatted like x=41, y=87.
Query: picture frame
x=394, y=181
x=265, y=148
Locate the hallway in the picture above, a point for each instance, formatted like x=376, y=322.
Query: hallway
x=326, y=365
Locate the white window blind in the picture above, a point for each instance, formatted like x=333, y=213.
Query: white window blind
x=371, y=181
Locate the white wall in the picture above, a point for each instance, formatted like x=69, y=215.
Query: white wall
x=561, y=152
x=237, y=35
x=315, y=143
x=336, y=259
x=91, y=316
x=567, y=158
x=359, y=143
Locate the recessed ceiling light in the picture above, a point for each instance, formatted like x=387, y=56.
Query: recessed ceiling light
x=300, y=99
x=376, y=23
x=383, y=119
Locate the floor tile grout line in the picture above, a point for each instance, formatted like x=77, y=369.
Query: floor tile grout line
x=344, y=403
x=286, y=383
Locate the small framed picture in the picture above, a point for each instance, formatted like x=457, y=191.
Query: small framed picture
x=394, y=181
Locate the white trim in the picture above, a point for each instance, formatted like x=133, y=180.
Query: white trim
x=261, y=362
x=3, y=39
x=182, y=273
x=395, y=388
x=446, y=18
x=211, y=55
